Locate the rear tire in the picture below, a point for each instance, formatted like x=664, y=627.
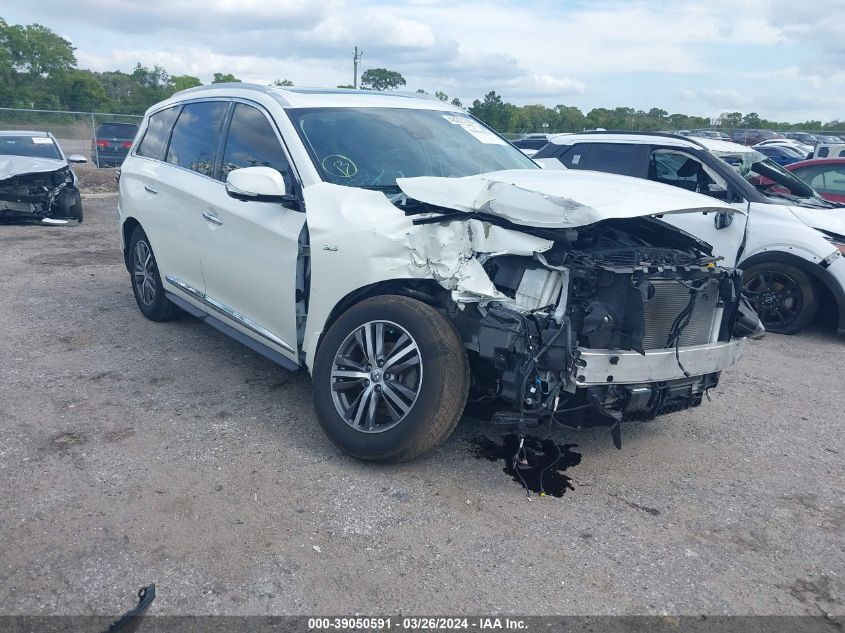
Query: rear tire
x=416, y=406
x=146, y=281
x=784, y=296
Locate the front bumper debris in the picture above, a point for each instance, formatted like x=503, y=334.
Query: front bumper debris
x=606, y=367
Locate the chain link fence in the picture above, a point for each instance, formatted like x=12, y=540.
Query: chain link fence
x=103, y=138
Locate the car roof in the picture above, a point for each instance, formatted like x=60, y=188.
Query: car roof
x=303, y=97
x=712, y=144
x=817, y=161
x=23, y=133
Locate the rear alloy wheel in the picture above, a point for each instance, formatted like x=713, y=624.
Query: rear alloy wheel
x=784, y=296
x=390, y=379
x=146, y=282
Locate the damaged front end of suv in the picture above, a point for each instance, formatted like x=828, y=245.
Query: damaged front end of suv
x=587, y=310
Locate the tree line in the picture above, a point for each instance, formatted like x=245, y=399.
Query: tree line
x=38, y=70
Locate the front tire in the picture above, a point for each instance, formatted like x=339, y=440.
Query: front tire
x=146, y=281
x=784, y=296
x=390, y=379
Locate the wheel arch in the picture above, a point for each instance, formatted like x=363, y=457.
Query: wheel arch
x=126, y=230
x=830, y=290
x=425, y=290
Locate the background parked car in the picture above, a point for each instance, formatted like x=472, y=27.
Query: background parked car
x=36, y=181
x=825, y=175
x=111, y=143
x=530, y=143
x=804, y=149
x=781, y=154
x=790, y=248
x=753, y=137
x=829, y=151
x=828, y=139
x=804, y=137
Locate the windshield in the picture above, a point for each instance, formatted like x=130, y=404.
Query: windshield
x=768, y=177
x=32, y=146
x=372, y=147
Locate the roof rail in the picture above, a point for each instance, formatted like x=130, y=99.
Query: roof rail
x=641, y=133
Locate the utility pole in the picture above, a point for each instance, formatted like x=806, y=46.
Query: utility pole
x=356, y=57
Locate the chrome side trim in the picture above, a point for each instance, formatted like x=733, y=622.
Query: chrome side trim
x=228, y=312
x=613, y=367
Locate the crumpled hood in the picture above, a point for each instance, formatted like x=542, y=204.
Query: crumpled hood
x=16, y=165
x=557, y=199
x=830, y=220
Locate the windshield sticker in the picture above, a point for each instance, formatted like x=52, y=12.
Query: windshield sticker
x=475, y=128
x=576, y=159
x=339, y=165
x=42, y=140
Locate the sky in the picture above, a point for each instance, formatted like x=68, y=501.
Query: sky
x=783, y=59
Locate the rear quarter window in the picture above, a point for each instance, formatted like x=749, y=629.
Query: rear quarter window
x=158, y=131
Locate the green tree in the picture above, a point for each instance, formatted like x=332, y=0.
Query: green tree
x=82, y=90
x=283, y=82
x=36, y=50
x=441, y=95
x=493, y=111
x=220, y=78
x=381, y=79
x=457, y=102
x=731, y=119
x=350, y=86
x=752, y=119
x=183, y=82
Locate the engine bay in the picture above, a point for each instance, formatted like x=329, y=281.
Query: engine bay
x=632, y=285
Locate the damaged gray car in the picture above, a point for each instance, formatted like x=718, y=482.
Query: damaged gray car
x=36, y=181
x=412, y=260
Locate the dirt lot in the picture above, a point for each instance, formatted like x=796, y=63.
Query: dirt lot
x=134, y=452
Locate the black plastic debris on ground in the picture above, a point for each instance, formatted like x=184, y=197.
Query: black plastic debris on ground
x=541, y=459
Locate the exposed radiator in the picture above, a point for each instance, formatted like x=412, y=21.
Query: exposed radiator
x=669, y=300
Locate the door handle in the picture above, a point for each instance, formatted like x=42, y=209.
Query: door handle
x=150, y=189
x=211, y=217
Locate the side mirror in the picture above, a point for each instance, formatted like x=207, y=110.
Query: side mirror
x=259, y=184
x=77, y=158
x=723, y=220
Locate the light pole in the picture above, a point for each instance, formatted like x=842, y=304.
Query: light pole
x=356, y=57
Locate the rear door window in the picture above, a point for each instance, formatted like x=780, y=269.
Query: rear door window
x=158, y=130
x=618, y=158
x=196, y=135
x=252, y=142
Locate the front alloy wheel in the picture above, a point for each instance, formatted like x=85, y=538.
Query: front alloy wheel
x=390, y=379
x=783, y=296
x=376, y=376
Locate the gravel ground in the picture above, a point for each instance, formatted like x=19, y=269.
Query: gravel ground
x=134, y=452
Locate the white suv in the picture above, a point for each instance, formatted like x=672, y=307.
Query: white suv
x=408, y=256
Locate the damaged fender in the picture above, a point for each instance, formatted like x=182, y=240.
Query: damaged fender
x=350, y=220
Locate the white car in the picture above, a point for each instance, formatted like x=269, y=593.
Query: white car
x=790, y=248
x=407, y=256
x=36, y=181
x=829, y=150
x=803, y=149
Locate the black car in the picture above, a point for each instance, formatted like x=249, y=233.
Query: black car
x=112, y=142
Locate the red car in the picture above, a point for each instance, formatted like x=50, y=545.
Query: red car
x=825, y=175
